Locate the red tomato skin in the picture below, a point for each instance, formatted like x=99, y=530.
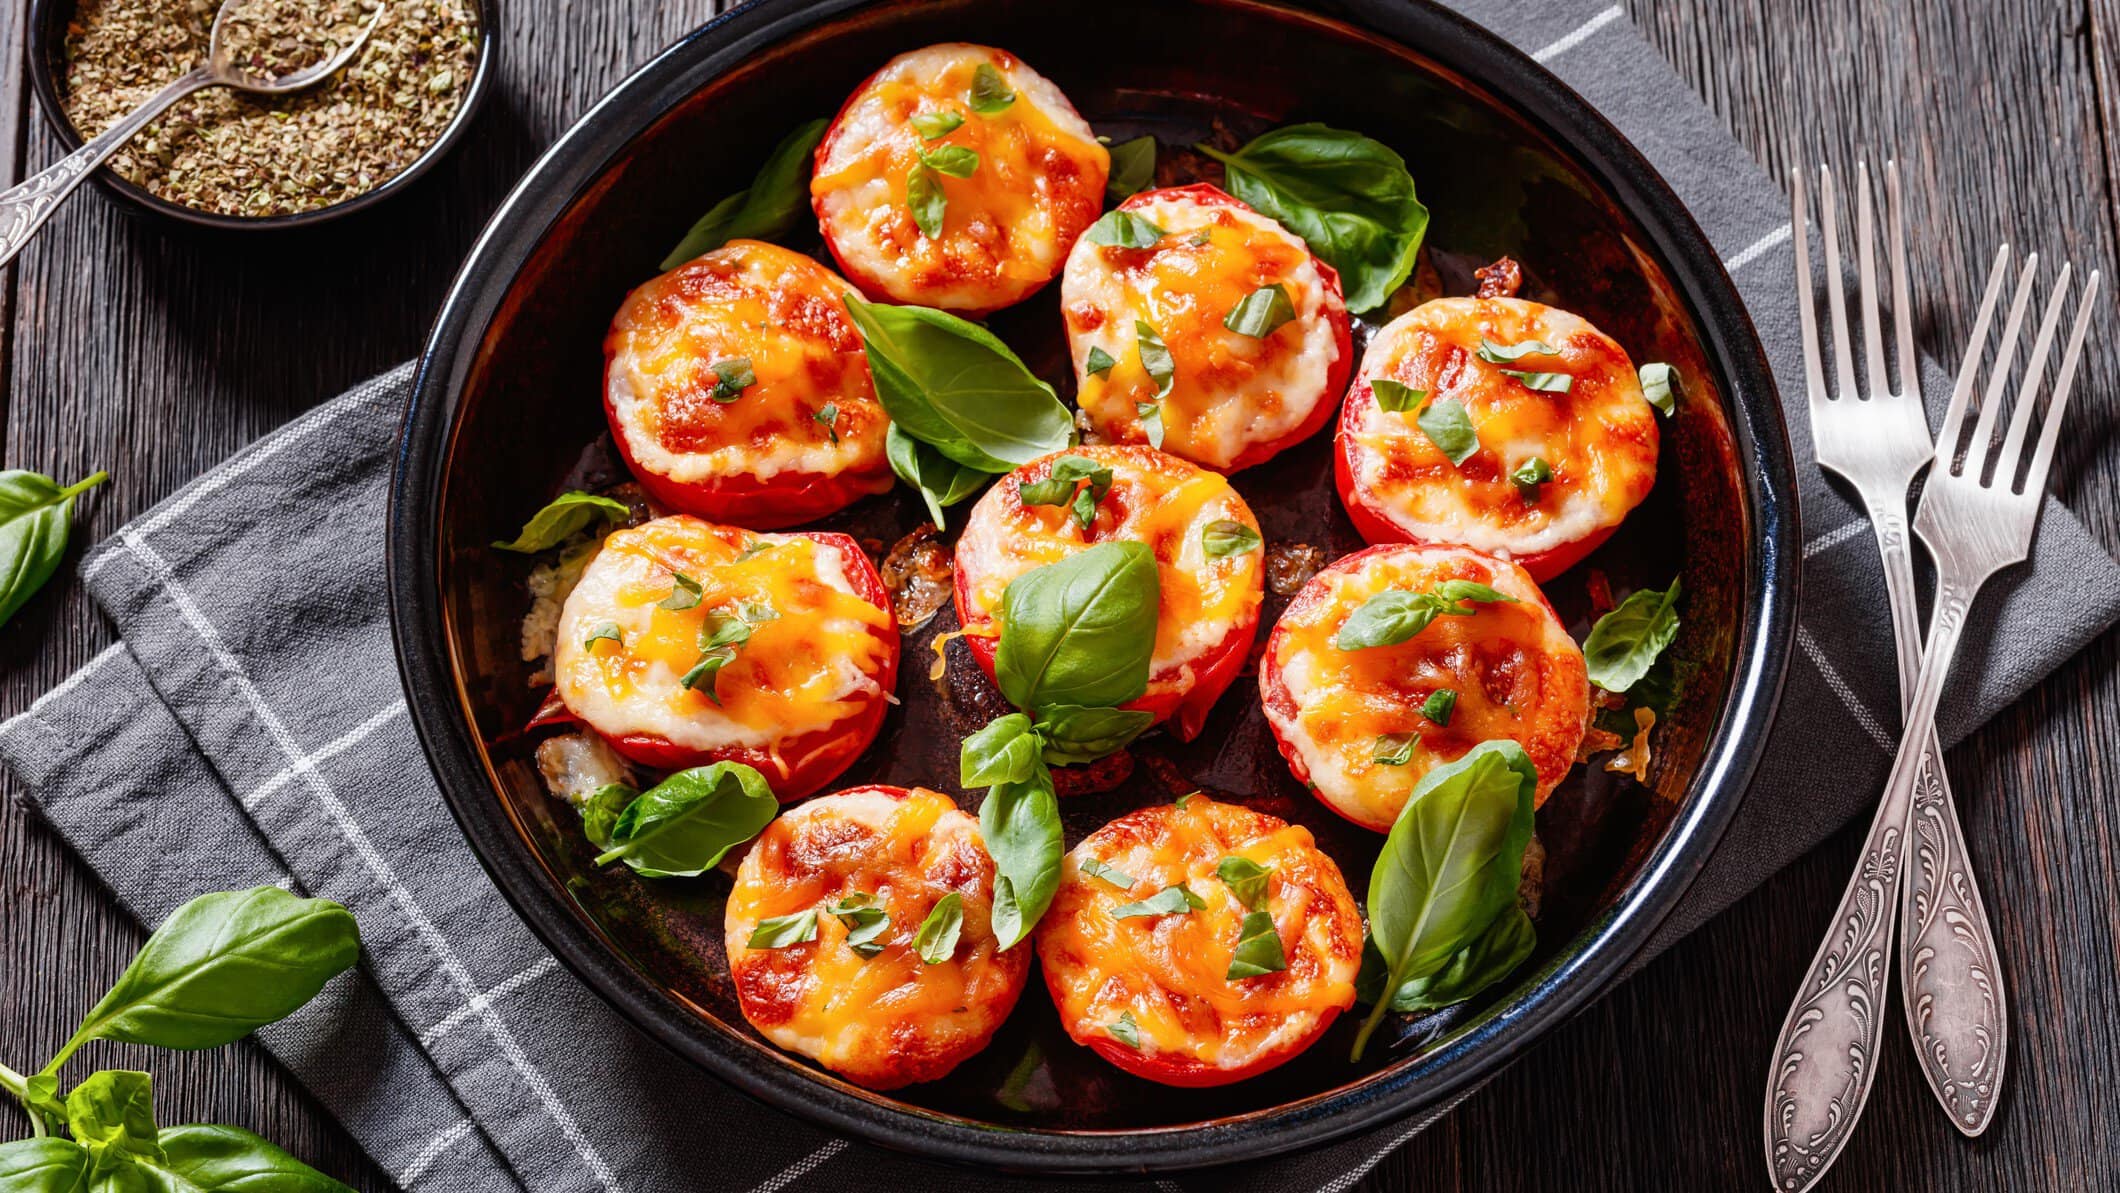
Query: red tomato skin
x=813, y=759
x=1187, y=1073
x=1377, y=528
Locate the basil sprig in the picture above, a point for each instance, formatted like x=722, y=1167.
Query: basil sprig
x=1626, y=641
x=36, y=518
x=560, y=520
x=1450, y=866
x=1075, y=483
x=682, y=826
x=1349, y=198
x=1395, y=615
x=777, y=199
x=1133, y=168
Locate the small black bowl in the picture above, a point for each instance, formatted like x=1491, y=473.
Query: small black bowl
x=47, y=66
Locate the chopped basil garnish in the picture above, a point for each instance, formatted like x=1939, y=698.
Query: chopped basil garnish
x=953, y=160
x=780, y=931
x=1531, y=474
x=1116, y=877
x=1658, y=383
x=1395, y=615
x=1155, y=358
x=1151, y=416
x=1063, y=487
x=1180, y=802
x=923, y=194
x=1171, y=900
x=1260, y=313
x=1395, y=749
x=1449, y=427
x=684, y=593
x=1124, y=230
x=1395, y=398
x=733, y=376
x=607, y=630
x=1200, y=238
x=1245, y=878
x=827, y=416
x=753, y=548
x=990, y=92
x=1099, y=362
x=1439, y=705
x=865, y=922
x=1501, y=354
x=720, y=633
x=1545, y=383
x=1228, y=538
x=1133, y=168
x=936, y=941
x=933, y=126
x=1258, y=948
x=1124, y=1030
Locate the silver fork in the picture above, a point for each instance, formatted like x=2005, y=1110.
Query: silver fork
x=1974, y=524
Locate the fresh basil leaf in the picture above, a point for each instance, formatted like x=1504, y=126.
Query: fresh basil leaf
x=1099, y=362
x=1350, y=198
x=1396, y=398
x=1151, y=416
x=865, y=923
x=949, y=383
x=1626, y=641
x=1155, y=358
x=215, y=1159
x=1080, y=631
x=1501, y=354
x=827, y=416
x=924, y=198
x=1108, y=874
x=40, y=1096
x=1395, y=615
x=780, y=931
x=1262, y=312
x=1124, y=1030
x=1395, y=749
x=990, y=91
x=957, y=161
x=683, y=825
x=933, y=126
x=1258, y=948
x=1021, y=825
x=1063, y=486
x=1449, y=426
x=1171, y=900
x=222, y=966
x=601, y=810
x=47, y=1164
x=1545, y=383
x=684, y=594
x=1124, y=230
x=1004, y=751
x=777, y=199
x=940, y=481
x=36, y=518
x=1659, y=381
x=1493, y=956
x=936, y=941
x=112, y=1113
x=1073, y=734
x=1245, y=878
x=1451, y=863
x=1219, y=539
x=1439, y=705
x=548, y=528
x=1530, y=475
x=1133, y=168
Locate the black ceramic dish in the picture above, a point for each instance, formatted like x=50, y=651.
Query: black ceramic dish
x=1508, y=160
x=47, y=72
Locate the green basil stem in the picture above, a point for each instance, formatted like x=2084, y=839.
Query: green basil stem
x=82, y=486
x=18, y=1085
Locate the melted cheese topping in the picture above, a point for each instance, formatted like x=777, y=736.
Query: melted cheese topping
x=811, y=667
x=1039, y=182
x=1599, y=438
x=1155, y=499
x=1169, y=972
x=1231, y=392
x=777, y=309
x=890, y=1019
x=1516, y=672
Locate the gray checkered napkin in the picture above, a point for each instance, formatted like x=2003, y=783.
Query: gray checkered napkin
x=249, y=723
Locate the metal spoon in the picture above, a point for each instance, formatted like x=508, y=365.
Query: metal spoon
x=25, y=206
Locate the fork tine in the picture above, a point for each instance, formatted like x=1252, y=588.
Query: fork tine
x=2035, y=479
x=1836, y=302
x=1866, y=277
x=1908, y=371
x=1962, y=389
x=2028, y=392
x=1806, y=301
x=1982, y=447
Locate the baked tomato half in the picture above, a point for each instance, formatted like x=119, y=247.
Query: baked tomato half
x=956, y=177
x=1556, y=441
x=1209, y=561
x=824, y=932
x=1252, y=328
x=737, y=389
x=1199, y=943
x=686, y=643
x=1361, y=714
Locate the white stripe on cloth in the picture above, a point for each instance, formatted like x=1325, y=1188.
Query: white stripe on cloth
x=800, y=1168
x=480, y=1002
x=308, y=762
x=77, y=678
x=443, y=1140
x=1580, y=34
x=451, y=965
x=1861, y=712
x=1757, y=249
x=1833, y=538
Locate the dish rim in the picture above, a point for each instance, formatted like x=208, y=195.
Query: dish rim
x=1587, y=964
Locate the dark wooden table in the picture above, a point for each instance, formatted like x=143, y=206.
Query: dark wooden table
x=128, y=346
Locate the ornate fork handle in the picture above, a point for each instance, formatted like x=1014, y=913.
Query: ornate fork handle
x=25, y=206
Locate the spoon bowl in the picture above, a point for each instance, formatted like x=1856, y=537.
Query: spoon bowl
x=221, y=65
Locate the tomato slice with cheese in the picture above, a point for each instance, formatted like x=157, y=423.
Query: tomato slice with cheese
x=686, y=643
x=1568, y=404
x=1357, y=726
x=857, y=996
x=737, y=389
x=1236, y=398
x=1151, y=990
x=1209, y=614
x=991, y=153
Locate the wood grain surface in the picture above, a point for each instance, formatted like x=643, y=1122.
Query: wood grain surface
x=155, y=353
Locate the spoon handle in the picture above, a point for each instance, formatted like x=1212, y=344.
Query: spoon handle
x=25, y=206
